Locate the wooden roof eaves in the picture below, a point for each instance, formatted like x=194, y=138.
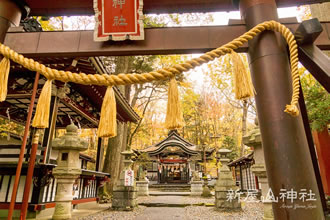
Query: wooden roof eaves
x=176, y=144
x=133, y=116
x=245, y=158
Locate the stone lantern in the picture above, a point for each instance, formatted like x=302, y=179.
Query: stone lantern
x=253, y=139
x=124, y=195
x=196, y=185
x=68, y=169
x=225, y=188
x=142, y=184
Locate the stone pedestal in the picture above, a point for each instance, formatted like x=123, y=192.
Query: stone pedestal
x=196, y=188
x=253, y=139
x=68, y=169
x=225, y=188
x=206, y=190
x=124, y=197
x=142, y=188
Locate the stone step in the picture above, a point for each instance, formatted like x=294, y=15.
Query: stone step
x=158, y=193
x=170, y=187
x=169, y=190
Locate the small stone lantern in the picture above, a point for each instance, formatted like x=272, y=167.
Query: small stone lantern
x=124, y=197
x=68, y=169
x=142, y=185
x=225, y=187
x=196, y=185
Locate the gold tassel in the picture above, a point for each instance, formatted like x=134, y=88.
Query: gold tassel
x=174, y=117
x=108, y=123
x=4, y=73
x=292, y=110
x=41, y=117
x=243, y=86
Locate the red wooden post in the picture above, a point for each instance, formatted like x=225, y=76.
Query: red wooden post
x=322, y=145
x=29, y=175
x=21, y=155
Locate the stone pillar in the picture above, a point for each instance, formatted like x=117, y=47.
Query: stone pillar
x=206, y=190
x=68, y=169
x=253, y=139
x=142, y=185
x=196, y=185
x=124, y=197
x=225, y=188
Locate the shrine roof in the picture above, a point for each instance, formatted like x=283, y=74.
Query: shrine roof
x=242, y=160
x=172, y=140
x=82, y=103
x=85, y=7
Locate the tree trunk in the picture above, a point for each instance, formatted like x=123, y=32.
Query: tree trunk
x=113, y=157
x=244, y=117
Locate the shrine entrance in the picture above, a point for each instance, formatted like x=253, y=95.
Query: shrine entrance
x=173, y=160
x=173, y=171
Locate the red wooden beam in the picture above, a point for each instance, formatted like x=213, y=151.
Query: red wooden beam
x=85, y=7
x=175, y=40
x=78, y=201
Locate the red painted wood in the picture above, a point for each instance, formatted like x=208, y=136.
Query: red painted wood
x=85, y=7
x=322, y=143
x=46, y=205
x=21, y=155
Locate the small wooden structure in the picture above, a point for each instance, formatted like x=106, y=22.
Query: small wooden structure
x=245, y=178
x=174, y=159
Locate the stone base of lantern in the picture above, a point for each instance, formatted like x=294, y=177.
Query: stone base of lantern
x=224, y=185
x=196, y=188
x=142, y=188
x=124, y=197
x=63, y=196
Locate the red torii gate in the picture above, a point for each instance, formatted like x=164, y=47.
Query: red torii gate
x=284, y=139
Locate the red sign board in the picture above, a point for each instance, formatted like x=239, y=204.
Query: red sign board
x=118, y=20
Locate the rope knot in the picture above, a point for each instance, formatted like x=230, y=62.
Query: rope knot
x=292, y=110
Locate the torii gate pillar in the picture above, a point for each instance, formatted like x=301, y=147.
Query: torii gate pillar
x=288, y=161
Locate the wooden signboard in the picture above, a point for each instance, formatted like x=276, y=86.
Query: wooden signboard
x=118, y=20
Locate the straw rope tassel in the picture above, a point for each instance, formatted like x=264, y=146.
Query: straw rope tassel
x=4, y=73
x=174, y=117
x=108, y=123
x=41, y=118
x=165, y=73
x=243, y=86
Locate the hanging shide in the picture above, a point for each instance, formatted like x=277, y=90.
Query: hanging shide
x=243, y=86
x=174, y=116
x=41, y=117
x=4, y=73
x=108, y=124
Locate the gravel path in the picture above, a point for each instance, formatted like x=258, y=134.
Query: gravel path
x=250, y=211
